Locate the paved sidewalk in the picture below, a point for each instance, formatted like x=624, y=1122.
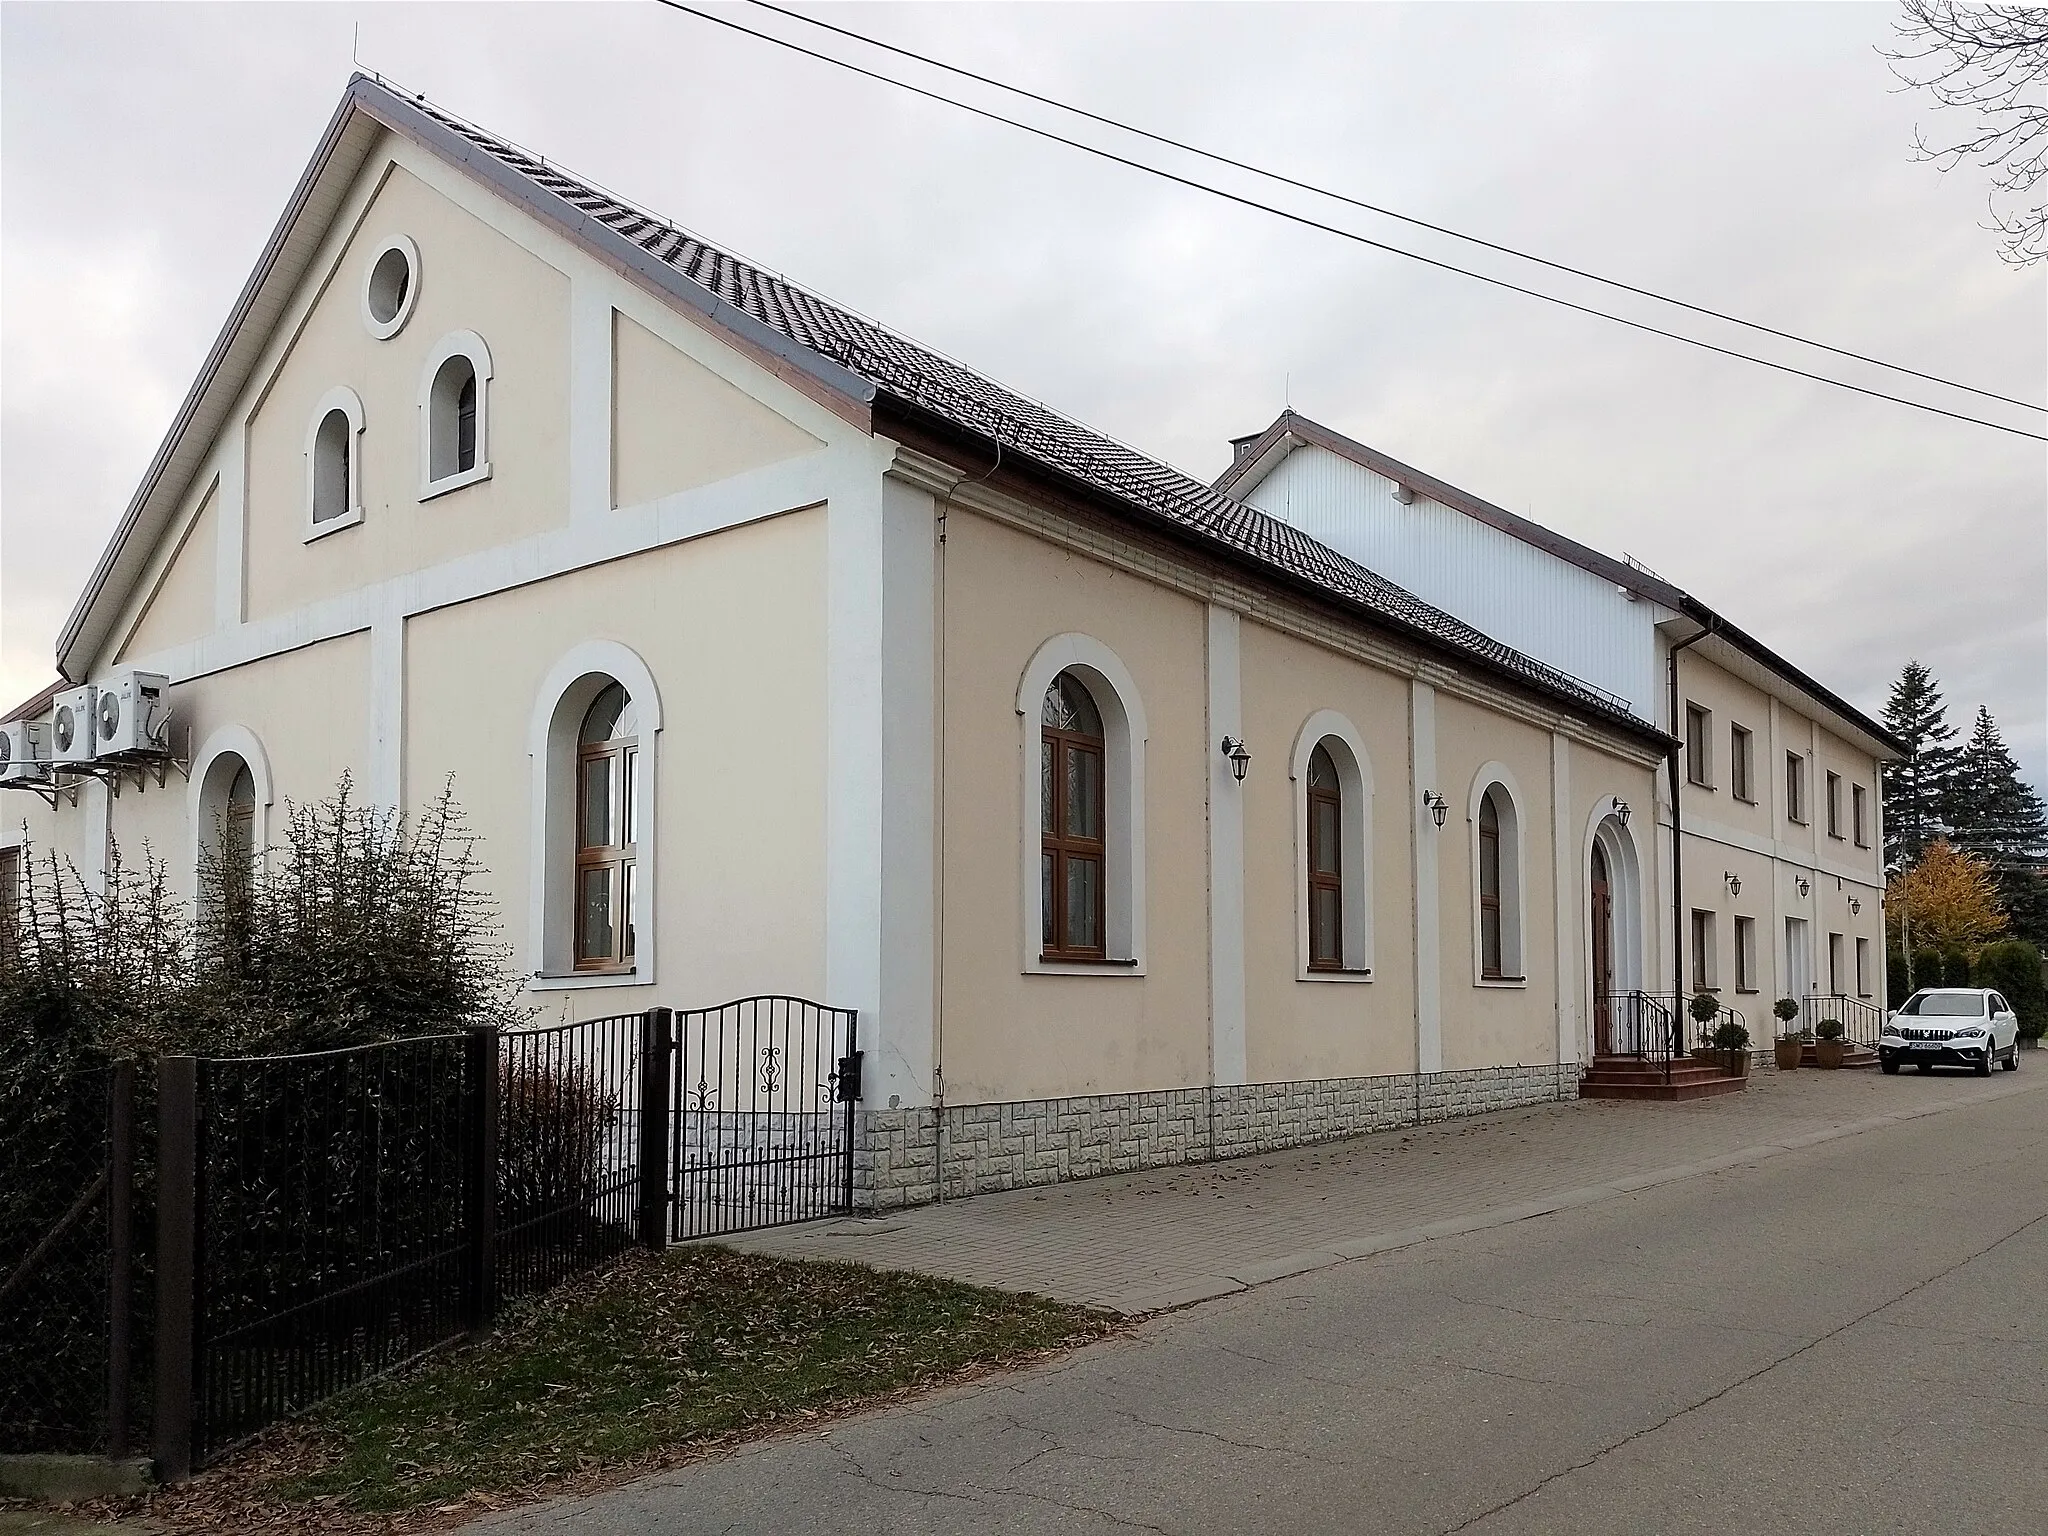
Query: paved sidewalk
x=1146, y=1241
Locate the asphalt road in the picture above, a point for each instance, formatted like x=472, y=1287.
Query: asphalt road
x=1851, y=1338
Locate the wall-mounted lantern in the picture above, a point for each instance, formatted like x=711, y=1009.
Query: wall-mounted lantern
x=1803, y=886
x=1240, y=759
x=1621, y=812
x=1855, y=907
x=1437, y=806
x=1734, y=882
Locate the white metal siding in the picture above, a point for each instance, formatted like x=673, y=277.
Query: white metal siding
x=1541, y=605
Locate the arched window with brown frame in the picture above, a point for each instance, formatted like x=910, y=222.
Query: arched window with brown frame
x=1325, y=863
x=607, y=766
x=1490, y=948
x=1071, y=816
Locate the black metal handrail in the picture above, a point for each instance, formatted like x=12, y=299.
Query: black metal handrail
x=1862, y=1020
x=1658, y=1027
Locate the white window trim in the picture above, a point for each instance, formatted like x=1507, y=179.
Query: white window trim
x=1513, y=918
x=1124, y=734
x=384, y=330
x=240, y=742
x=1354, y=854
x=565, y=694
x=349, y=403
x=455, y=344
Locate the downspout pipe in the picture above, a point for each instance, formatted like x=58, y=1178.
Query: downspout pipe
x=1678, y=833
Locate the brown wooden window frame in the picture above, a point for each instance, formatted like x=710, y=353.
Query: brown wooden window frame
x=1859, y=814
x=1745, y=954
x=618, y=758
x=1699, y=746
x=1741, y=749
x=1060, y=845
x=1492, y=937
x=1795, y=788
x=1834, y=794
x=1320, y=879
x=1705, y=973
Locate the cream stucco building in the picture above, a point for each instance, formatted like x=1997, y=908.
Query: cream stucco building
x=769, y=652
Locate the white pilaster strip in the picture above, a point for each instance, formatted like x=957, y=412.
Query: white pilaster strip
x=901, y=1050
x=1565, y=911
x=590, y=395
x=1227, y=1046
x=1429, y=971
x=231, y=527
x=387, y=711
x=853, y=784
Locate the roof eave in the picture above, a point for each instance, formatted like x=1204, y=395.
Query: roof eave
x=893, y=410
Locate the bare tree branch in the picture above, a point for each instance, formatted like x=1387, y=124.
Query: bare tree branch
x=1991, y=62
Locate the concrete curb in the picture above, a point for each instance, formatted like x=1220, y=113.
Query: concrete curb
x=1345, y=1249
x=66, y=1479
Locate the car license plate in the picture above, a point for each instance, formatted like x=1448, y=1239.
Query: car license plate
x=1925, y=1045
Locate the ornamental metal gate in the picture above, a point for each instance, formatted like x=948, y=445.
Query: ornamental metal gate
x=762, y=1133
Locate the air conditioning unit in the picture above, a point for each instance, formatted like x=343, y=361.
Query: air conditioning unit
x=71, y=726
x=24, y=753
x=132, y=714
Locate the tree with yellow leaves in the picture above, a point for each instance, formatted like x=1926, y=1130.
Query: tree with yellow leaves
x=1948, y=900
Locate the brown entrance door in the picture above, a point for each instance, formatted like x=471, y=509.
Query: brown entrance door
x=1603, y=957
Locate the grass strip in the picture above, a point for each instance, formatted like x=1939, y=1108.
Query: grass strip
x=621, y=1369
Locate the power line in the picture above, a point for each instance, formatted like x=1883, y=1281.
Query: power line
x=1341, y=197
x=1331, y=229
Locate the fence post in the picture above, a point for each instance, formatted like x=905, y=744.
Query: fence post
x=657, y=1050
x=177, y=1249
x=120, y=1252
x=848, y=1089
x=480, y=1183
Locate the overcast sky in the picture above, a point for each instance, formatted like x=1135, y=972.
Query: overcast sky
x=1754, y=158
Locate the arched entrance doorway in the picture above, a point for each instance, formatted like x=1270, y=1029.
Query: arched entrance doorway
x=1614, y=935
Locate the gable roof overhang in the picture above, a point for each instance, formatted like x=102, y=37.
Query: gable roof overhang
x=1732, y=647
x=368, y=110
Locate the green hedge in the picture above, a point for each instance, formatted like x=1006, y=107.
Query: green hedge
x=2013, y=966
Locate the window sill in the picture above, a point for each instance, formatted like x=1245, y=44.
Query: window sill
x=349, y=519
x=1334, y=973
x=571, y=981
x=1747, y=991
x=1746, y=799
x=1053, y=965
x=1698, y=784
x=456, y=481
x=1506, y=982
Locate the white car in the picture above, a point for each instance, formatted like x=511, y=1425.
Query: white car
x=1958, y=1026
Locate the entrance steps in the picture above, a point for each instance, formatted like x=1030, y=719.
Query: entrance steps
x=1630, y=1077
x=1855, y=1056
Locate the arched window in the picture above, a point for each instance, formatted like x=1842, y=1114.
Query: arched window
x=331, y=455
x=238, y=815
x=1325, y=863
x=1496, y=880
x=1489, y=888
x=607, y=781
x=455, y=404
x=1072, y=819
x=1332, y=779
x=334, y=475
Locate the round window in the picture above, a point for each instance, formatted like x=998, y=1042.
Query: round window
x=390, y=285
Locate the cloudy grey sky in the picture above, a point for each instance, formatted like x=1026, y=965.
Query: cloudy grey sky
x=1749, y=157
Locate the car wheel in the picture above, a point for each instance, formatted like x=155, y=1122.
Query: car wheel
x=2012, y=1057
x=1984, y=1066
x=1891, y=1068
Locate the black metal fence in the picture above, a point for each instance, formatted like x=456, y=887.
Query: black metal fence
x=325, y=1217
x=69, y=1271
x=1658, y=1027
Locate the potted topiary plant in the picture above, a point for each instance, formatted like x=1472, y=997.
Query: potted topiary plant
x=1732, y=1040
x=1791, y=1043
x=1829, y=1046
x=1704, y=1007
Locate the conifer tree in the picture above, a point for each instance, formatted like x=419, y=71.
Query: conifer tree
x=1995, y=814
x=1916, y=789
